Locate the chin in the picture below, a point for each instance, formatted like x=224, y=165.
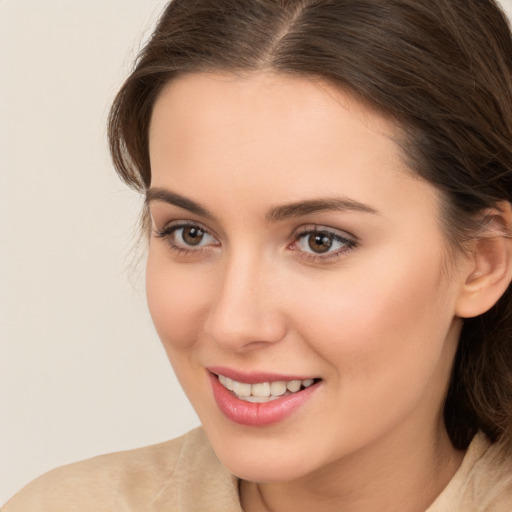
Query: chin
x=263, y=458
x=262, y=470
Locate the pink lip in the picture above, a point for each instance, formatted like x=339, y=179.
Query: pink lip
x=258, y=415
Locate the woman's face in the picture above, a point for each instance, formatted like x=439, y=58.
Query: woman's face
x=293, y=253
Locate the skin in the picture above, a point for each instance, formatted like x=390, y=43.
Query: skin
x=375, y=318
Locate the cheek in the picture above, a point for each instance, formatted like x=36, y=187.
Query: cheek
x=375, y=322
x=177, y=299
x=383, y=341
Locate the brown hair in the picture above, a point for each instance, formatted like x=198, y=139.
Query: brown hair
x=442, y=69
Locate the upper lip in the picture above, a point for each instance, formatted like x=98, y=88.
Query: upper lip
x=255, y=377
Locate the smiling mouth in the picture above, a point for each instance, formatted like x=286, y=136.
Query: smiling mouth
x=263, y=392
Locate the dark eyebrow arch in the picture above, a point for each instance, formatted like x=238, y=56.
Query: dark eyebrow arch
x=166, y=196
x=276, y=214
x=302, y=208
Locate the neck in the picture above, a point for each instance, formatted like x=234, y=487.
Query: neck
x=393, y=474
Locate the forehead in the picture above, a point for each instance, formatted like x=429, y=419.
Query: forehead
x=268, y=97
x=273, y=137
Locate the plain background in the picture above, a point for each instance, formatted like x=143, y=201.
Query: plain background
x=81, y=369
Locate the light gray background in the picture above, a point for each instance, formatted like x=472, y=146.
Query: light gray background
x=81, y=369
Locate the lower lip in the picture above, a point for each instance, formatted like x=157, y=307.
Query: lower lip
x=258, y=415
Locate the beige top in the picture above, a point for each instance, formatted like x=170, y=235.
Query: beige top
x=184, y=475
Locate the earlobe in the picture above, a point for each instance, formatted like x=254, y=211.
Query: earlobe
x=490, y=264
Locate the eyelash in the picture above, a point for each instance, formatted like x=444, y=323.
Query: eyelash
x=348, y=242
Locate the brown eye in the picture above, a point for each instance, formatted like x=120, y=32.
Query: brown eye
x=187, y=237
x=320, y=242
x=192, y=235
x=324, y=243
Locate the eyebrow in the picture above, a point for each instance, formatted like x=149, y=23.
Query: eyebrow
x=302, y=208
x=275, y=214
x=166, y=196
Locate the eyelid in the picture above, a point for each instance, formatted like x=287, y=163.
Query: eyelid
x=182, y=223
x=314, y=228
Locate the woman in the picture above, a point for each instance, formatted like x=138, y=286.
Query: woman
x=328, y=206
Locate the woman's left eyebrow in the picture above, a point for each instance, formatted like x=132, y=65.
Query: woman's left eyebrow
x=301, y=208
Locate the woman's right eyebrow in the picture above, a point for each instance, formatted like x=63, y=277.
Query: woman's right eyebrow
x=167, y=196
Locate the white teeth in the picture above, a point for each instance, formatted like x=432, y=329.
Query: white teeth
x=263, y=391
x=258, y=399
x=278, y=388
x=293, y=386
x=242, y=389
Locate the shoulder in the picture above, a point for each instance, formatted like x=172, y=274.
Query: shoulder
x=490, y=481
x=482, y=484
x=158, y=477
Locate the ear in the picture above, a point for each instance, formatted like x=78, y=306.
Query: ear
x=489, y=264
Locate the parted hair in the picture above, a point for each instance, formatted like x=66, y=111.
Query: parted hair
x=440, y=69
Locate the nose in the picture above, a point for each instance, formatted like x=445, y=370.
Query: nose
x=246, y=313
